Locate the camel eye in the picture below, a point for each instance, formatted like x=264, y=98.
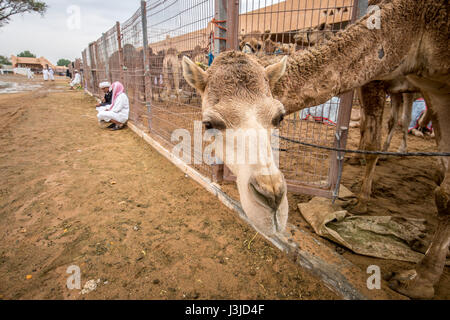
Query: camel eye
x=208, y=125
x=278, y=120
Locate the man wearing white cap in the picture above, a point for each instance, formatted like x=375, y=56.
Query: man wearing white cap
x=106, y=101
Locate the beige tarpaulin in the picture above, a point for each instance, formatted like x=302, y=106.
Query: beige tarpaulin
x=383, y=237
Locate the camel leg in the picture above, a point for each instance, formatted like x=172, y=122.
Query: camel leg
x=408, y=99
x=419, y=283
x=372, y=103
x=396, y=99
x=356, y=159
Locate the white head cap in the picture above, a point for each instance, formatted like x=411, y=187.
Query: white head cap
x=105, y=84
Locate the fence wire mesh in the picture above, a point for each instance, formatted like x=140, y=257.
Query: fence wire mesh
x=133, y=66
x=161, y=101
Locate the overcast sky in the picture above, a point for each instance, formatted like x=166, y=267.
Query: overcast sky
x=59, y=35
x=51, y=36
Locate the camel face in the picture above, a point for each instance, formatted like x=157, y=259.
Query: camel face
x=237, y=101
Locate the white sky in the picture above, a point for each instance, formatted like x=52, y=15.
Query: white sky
x=51, y=37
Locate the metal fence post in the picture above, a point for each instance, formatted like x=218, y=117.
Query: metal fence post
x=92, y=67
x=363, y=5
x=225, y=30
x=119, y=45
x=146, y=57
x=220, y=31
x=105, y=56
x=345, y=111
x=233, y=25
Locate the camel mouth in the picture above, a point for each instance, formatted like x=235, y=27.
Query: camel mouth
x=272, y=205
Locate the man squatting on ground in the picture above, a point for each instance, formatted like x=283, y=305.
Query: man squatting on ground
x=117, y=113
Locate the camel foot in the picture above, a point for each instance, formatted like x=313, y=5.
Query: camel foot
x=411, y=284
x=402, y=150
x=360, y=208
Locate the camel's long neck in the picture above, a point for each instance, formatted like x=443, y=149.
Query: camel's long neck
x=353, y=58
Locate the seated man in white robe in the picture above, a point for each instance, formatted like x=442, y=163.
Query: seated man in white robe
x=76, y=80
x=117, y=113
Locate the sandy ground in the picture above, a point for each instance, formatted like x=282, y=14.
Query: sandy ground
x=74, y=194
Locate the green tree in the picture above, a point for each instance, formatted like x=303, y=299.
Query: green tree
x=26, y=54
x=9, y=8
x=63, y=63
x=4, y=61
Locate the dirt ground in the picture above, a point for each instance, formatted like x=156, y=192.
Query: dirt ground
x=74, y=194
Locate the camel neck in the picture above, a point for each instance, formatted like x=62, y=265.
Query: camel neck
x=351, y=59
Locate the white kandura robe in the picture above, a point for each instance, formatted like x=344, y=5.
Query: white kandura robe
x=51, y=73
x=30, y=74
x=76, y=80
x=119, y=112
x=45, y=74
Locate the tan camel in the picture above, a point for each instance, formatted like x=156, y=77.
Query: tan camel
x=238, y=92
x=313, y=36
x=261, y=44
x=172, y=73
x=199, y=56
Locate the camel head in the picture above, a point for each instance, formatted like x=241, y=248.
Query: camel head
x=237, y=102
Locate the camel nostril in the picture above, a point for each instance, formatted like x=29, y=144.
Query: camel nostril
x=266, y=197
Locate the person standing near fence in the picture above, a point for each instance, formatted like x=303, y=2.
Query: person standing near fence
x=45, y=73
x=30, y=74
x=51, y=74
x=76, y=82
x=119, y=110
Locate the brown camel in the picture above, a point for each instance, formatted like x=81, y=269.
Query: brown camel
x=313, y=36
x=238, y=92
x=172, y=73
x=261, y=44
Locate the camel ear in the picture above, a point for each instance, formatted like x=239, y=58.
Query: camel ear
x=194, y=75
x=276, y=71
